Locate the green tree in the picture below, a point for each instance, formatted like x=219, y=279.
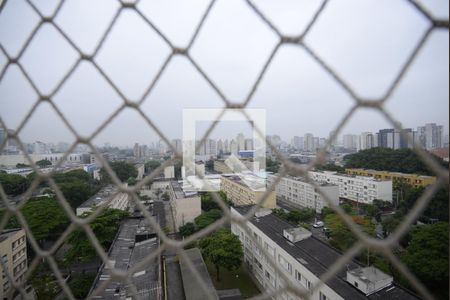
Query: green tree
x=208, y=202
x=386, y=159
x=348, y=208
x=43, y=163
x=14, y=184
x=19, y=165
x=132, y=181
x=165, y=196
x=372, y=211
x=44, y=216
x=122, y=169
x=80, y=284
x=223, y=249
x=187, y=229
x=207, y=218
x=76, y=192
x=272, y=166
x=104, y=226
x=302, y=215
x=427, y=256
x=330, y=167
x=390, y=223
x=151, y=165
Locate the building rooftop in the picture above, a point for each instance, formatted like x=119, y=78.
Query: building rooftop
x=248, y=180
x=302, y=179
x=6, y=233
x=135, y=241
x=369, y=274
x=351, y=176
x=181, y=193
x=192, y=287
x=317, y=257
x=392, y=173
x=100, y=197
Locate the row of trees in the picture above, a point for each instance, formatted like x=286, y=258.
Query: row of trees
x=211, y=213
x=296, y=215
x=386, y=159
x=104, y=226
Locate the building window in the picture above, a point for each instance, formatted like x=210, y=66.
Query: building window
x=356, y=284
x=322, y=296
x=286, y=265
x=298, y=276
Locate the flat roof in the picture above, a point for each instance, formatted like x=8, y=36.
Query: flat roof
x=248, y=180
x=100, y=197
x=302, y=179
x=135, y=241
x=179, y=192
x=317, y=257
x=6, y=233
x=350, y=176
x=192, y=287
x=392, y=173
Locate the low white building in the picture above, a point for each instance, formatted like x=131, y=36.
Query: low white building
x=186, y=206
x=169, y=172
x=107, y=195
x=303, y=259
x=298, y=192
x=14, y=159
x=356, y=188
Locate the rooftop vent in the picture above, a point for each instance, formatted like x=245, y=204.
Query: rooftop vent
x=262, y=212
x=296, y=234
x=368, y=280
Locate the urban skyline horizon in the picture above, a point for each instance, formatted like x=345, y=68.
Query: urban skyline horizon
x=284, y=138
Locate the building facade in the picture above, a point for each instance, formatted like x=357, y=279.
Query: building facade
x=298, y=192
x=186, y=206
x=276, y=251
x=396, y=177
x=356, y=188
x=246, y=191
x=13, y=251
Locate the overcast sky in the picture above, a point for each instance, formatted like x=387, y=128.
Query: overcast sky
x=365, y=42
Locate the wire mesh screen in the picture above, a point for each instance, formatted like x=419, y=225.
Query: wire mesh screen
x=14, y=208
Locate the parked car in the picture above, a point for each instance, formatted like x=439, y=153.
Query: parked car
x=318, y=224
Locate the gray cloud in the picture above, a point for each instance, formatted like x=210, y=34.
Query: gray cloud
x=366, y=42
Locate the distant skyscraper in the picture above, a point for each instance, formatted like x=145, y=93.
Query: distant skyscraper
x=226, y=146
x=249, y=144
x=178, y=145
x=297, y=142
x=234, y=147
x=220, y=148
x=386, y=138
x=240, y=139
x=309, y=142
x=431, y=135
x=365, y=141
x=350, y=141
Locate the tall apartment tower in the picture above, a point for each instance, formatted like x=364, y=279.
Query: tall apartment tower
x=309, y=142
x=431, y=135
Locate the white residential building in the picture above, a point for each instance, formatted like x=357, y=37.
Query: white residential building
x=169, y=172
x=274, y=247
x=298, y=192
x=357, y=188
x=186, y=206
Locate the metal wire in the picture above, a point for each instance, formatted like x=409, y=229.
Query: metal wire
x=383, y=246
